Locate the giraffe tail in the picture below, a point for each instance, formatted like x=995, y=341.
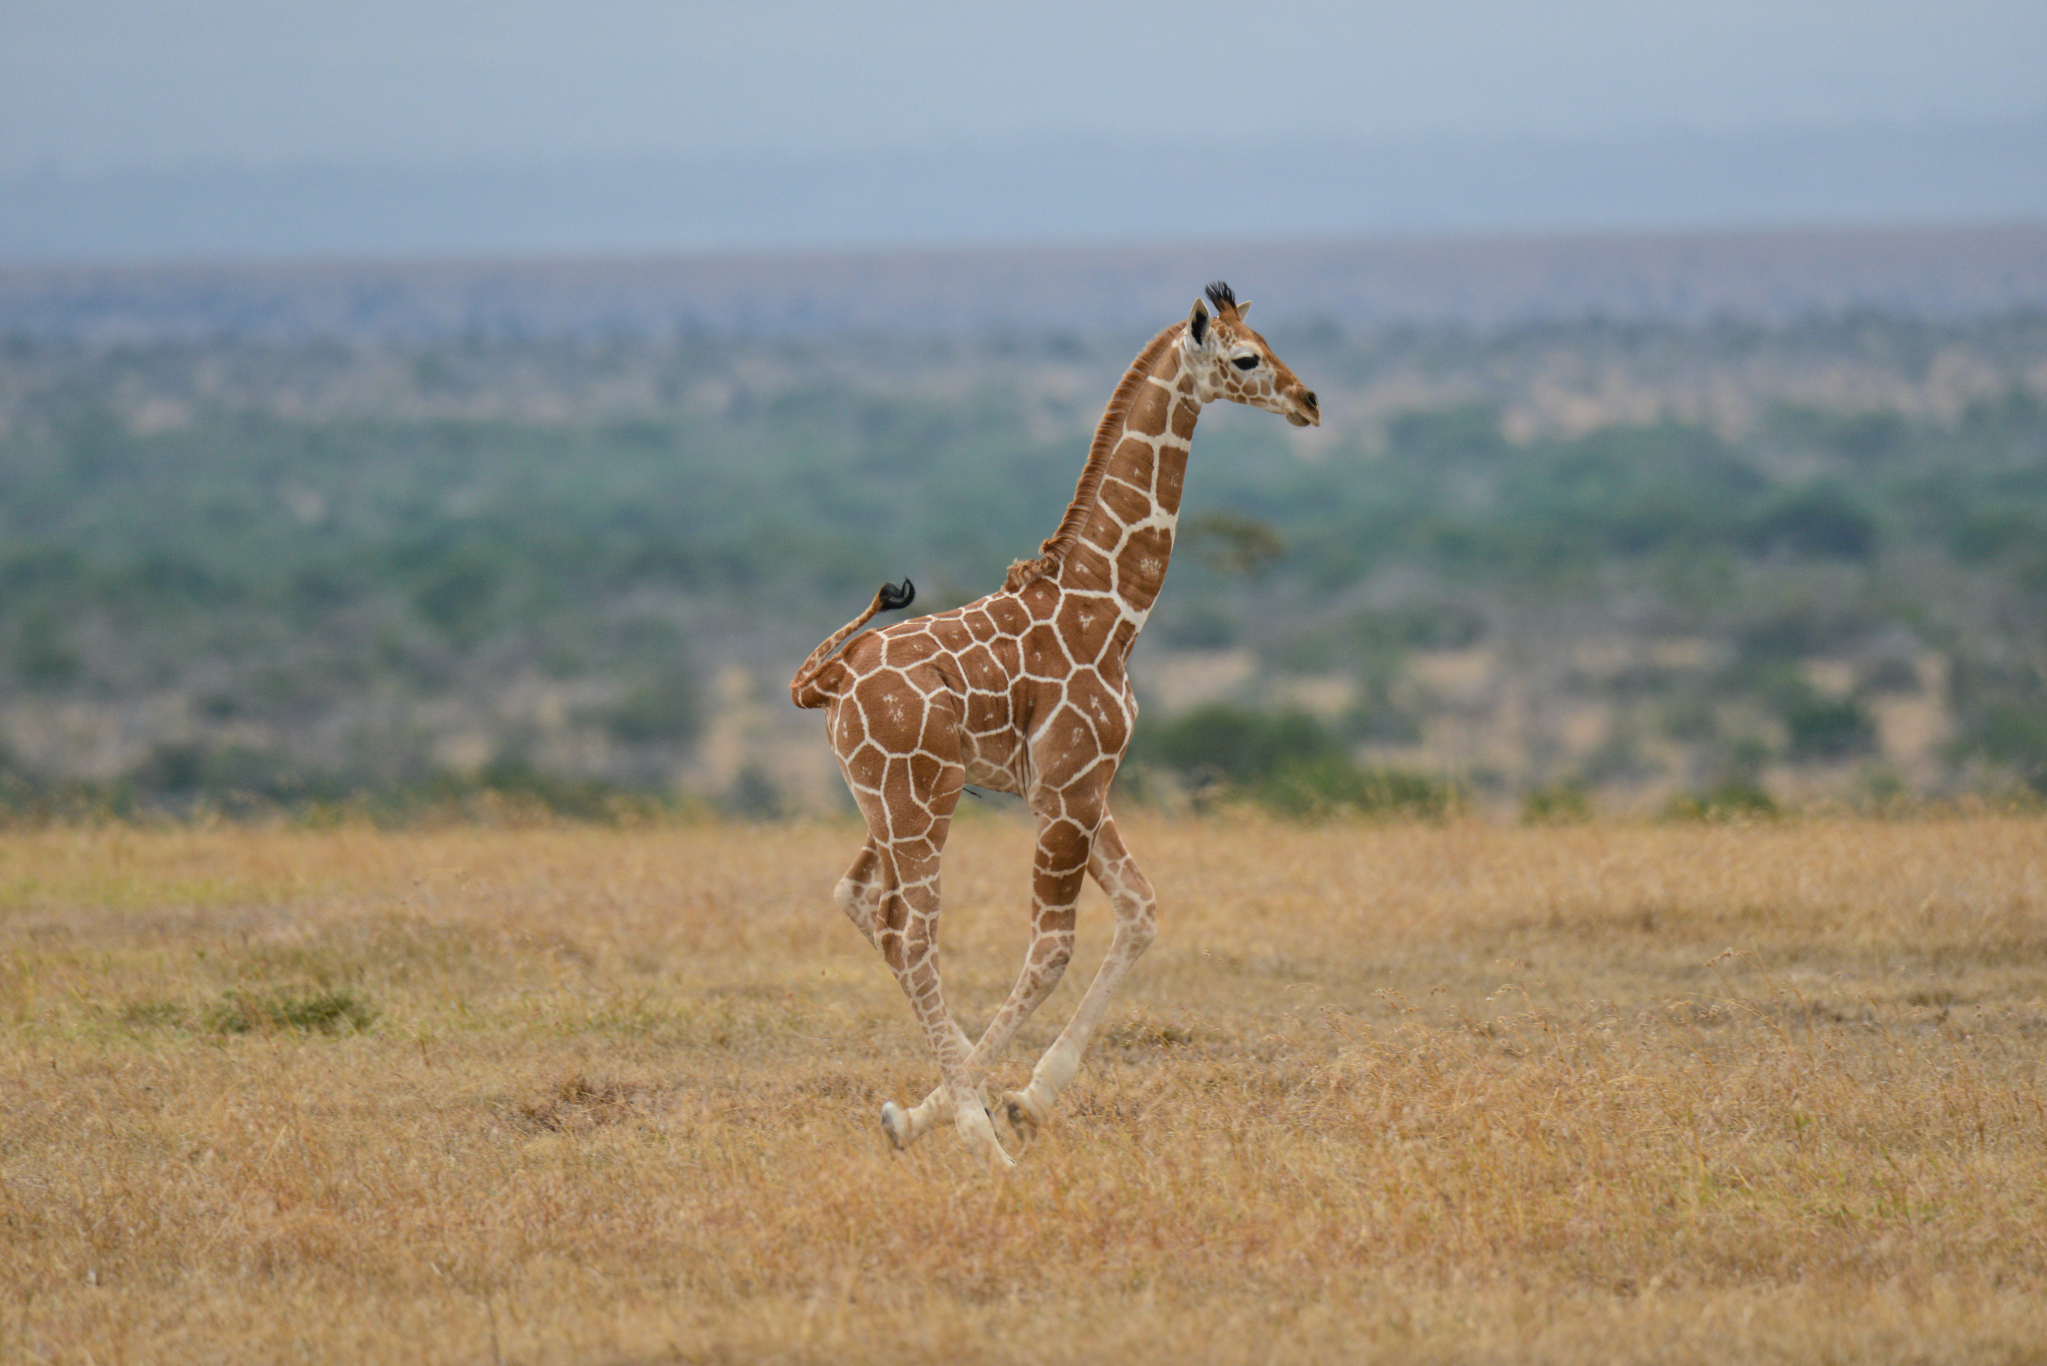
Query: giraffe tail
x=806, y=689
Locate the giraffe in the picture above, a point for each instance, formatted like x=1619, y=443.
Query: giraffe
x=1027, y=691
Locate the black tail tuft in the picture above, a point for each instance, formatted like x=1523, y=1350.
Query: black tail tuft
x=896, y=597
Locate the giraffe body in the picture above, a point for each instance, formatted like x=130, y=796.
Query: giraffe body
x=1027, y=691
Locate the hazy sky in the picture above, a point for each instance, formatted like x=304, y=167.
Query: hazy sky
x=88, y=85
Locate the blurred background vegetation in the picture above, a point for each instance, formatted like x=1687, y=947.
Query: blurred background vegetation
x=1552, y=565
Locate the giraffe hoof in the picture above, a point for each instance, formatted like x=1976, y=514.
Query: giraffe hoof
x=977, y=1134
x=895, y=1122
x=1022, y=1118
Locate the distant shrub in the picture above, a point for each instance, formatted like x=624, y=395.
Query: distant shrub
x=1289, y=763
x=1232, y=744
x=1556, y=804
x=1894, y=676
x=1828, y=727
x=665, y=712
x=42, y=656
x=1867, y=437
x=1727, y=802
x=176, y=768
x=227, y=777
x=1687, y=717
x=456, y=594
x=1775, y=640
x=1328, y=787
x=2016, y=735
x=1197, y=626
x=1421, y=626
x=1985, y=535
x=514, y=777
x=753, y=796
x=1435, y=434
x=1231, y=543
x=1822, y=520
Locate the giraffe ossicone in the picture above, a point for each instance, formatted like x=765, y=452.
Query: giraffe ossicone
x=1027, y=691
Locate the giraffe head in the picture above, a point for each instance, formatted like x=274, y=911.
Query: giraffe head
x=1229, y=360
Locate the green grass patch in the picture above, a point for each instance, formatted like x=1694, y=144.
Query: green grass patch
x=309, y=1012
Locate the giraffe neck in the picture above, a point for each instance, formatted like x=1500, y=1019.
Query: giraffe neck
x=1126, y=529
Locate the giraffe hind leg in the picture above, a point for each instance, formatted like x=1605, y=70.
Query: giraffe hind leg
x=859, y=895
x=907, y=794
x=908, y=942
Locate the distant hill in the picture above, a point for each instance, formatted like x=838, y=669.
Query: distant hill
x=1139, y=188
x=1766, y=276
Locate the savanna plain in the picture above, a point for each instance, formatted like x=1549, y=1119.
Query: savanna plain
x=1407, y=1092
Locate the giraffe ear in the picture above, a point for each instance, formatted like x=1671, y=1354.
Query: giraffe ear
x=1243, y=308
x=1197, y=324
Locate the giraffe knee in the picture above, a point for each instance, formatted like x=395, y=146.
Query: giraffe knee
x=1137, y=913
x=1142, y=928
x=858, y=901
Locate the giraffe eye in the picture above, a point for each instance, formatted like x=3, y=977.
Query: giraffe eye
x=1245, y=362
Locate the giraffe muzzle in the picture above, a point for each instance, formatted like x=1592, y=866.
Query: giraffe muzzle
x=1304, y=411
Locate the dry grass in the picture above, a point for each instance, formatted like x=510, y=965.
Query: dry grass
x=1379, y=1093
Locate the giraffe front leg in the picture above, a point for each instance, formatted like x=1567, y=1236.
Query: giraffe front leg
x=1058, y=870
x=908, y=941
x=905, y=1126
x=1130, y=893
x=859, y=894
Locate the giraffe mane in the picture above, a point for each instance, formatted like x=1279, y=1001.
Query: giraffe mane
x=1052, y=553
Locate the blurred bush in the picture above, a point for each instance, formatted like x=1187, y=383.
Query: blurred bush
x=279, y=545
x=1729, y=801
x=1287, y=762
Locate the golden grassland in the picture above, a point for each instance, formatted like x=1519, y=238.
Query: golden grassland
x=1379, y=1092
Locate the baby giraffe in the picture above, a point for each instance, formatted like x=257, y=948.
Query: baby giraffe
x=1028, y=691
